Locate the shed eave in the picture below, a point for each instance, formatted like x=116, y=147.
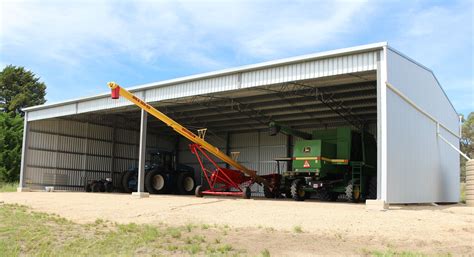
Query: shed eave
x=308, y=57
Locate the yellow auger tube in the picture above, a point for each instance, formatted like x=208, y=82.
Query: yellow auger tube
x=186, y=133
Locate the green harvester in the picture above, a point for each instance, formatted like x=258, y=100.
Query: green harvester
x=330, y=164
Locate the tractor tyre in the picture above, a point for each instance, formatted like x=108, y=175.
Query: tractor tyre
x=297, y=191
x=372, y=193
x=198, y=191
x=186, y=183
x=247, y=193
x=120, y=179
x=129, y=181
x=352, y=194
x=156, y=182
x=267, y=192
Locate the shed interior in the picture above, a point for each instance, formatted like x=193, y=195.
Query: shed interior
x=236, y=121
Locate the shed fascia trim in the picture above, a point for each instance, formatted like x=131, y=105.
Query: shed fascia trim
x=246, y=68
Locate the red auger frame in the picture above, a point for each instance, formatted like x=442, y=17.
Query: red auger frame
x=222, y=180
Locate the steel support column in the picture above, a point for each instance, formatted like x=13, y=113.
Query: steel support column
x=141, y=157
x=24, y=151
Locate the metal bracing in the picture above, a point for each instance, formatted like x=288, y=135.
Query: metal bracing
x=264, y=98
x=327, y=98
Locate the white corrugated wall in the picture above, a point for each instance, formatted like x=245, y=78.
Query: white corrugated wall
x=420, y=166
x=64, y=153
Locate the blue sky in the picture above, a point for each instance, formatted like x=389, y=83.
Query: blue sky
x=78, y=46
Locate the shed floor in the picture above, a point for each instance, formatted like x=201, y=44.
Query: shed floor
x=327, y=228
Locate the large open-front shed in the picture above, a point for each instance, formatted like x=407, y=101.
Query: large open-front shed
x=397, y=99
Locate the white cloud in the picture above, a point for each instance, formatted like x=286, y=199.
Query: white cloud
x=68, y=32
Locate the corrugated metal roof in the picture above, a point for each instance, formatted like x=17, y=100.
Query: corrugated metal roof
x=330, y=63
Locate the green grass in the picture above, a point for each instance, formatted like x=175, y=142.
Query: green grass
x=8, y=186
x=25, y=232
x=394, y=253
x=297, y=229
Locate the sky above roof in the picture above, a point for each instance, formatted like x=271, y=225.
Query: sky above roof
x=78, y=46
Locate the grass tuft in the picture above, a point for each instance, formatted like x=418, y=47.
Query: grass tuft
x=297, y=229
x=8, y=186
x=265, y=253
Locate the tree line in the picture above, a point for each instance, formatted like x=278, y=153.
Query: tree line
x=19, y=88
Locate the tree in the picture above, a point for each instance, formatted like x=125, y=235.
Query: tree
x=467, y=142
x=11, y=134
x=20, y=88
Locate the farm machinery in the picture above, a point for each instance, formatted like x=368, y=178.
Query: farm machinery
x=221, y=181
x=329, y=163
x=162, y=175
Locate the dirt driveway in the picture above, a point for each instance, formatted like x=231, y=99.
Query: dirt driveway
x=286, y=227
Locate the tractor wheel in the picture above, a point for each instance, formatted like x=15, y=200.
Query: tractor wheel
x=297, y=191
x=268, y=193
x=156, y=182
x=120, y=179
x=352, y=193
x=198, y=191
x=186, y=183
x=130, y=181
x=372, y=194
x=247, y=193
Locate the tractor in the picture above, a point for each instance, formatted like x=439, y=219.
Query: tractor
x=330, y=164
x=162, y=175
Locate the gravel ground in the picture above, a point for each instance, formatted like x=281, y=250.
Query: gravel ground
x=327, y=227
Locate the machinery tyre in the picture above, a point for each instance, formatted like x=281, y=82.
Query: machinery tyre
x=109, y=187
x=267, y=192
x=247, y=193
x=288, y=192
x=120, y=179
x=297, y=192
x=156, y=182
x=97, y=186
x=129, y=181
x=186, y=183
x=352, y=194
x=198, y=191
x=372, y=193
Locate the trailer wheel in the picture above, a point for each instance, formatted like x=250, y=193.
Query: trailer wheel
x=129, y=181
x=297, y=191
x=156, y=182
x=372, y=194
x=247, y=193
x=186, y=183
x=198, y=191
